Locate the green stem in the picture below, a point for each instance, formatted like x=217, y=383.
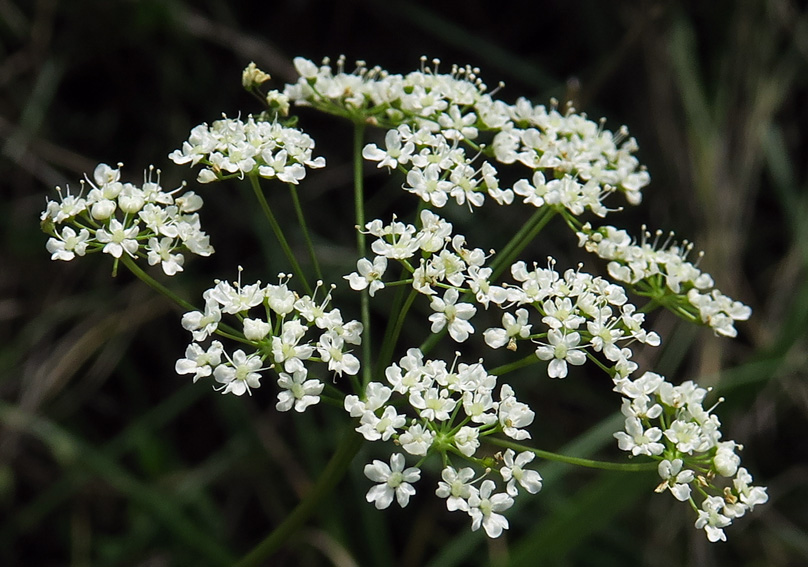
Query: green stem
x=305, y=228
x=520, y=240
x=510, y=367
x=394, y=331
x=222, y=329
x=273, y=222
x=347, y=449
x=154, y=284
x=361, y=247
x=589, y=463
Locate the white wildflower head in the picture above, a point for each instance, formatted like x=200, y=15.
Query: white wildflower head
x=123, y=219
x=394, y=481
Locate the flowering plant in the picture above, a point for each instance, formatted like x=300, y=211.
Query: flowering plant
x=454, y=145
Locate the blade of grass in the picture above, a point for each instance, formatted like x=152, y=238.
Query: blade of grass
x=67, y=447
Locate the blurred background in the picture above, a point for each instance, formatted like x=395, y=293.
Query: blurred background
x=108, y=458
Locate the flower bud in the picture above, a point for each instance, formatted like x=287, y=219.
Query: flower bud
x=252, y=76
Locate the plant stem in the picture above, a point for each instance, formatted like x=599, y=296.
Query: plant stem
x=361, y=247
x=154, y=284
x=394, y=329
x=589, y=463
x=510, y=367
x=273, y=222
x=520, y=240
x=334, y=471
x=222, y=329
x=305, y=229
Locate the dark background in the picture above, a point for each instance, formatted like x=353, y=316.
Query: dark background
x=109, y=458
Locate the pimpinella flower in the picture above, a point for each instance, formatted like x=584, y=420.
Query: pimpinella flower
x=484, y=507
x=513, y=472
x=449, y=313
x=369, y=275
x=395, y=154
x=119, y=218
x=232, y=147
x=562, y=349
x=394, y=481
x=69, y=244
x=456, y=487
x=675, y=478
x=240, y=373
x=712, y=520
x=118, y=239
x=297, y=391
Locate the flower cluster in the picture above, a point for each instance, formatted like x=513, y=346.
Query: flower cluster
x=670, y=424
x=427, y=407
x=279, y=337
x=437, y=167
x=448, y=137
x=589, y=158
x=576, y=163
x=581, y=313
x=664, y=274
x=120, y=218
x=231, y=147
x=445, y=263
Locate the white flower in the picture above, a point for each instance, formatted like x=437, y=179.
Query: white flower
x=467, y=440
x=305, y=68
x=726, y=461
x=429, y=184
x=374, y=428
x=477, y=405
x=118, y=239
x=235, y=147
x=455, y=487
x=286, y=348
x=433, y=404
x=513, y=471
x=238, y=298
x=533, y=194
x=69, y=206
x=330, y=349
x=161, y=252
x=560, y=314
x=456, y=125
x=452, y=314
x=396, y=153
x=479, y=282
x=240, y=374
x=513, y=415
x=513, y=327
x=562, y=348
x=394, y=480
x=675, y=479
x=712, y=520
x=369, y=275
x=750, y=495
x=686, y=435
x=376, y=394
x=297, y=391
x=68, y=245
x=484, y=508
x=256, y=329
x=638, y=440
x=198, y=361
x=280, y=299
x=396, y=240
x=417, y=439
x=203, y=324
